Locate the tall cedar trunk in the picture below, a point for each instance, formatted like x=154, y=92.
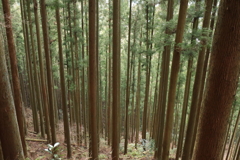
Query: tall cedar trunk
x=9, y=132
x=109, y=77
x=93, y=79
x=49, y=72
x=187, y=85
x=205, y=67
x=221, y=84
x=155, y=103
x=63, y=87
x=128, y=81
x=116, y=80
x=71, y=66
x=99, y=119
x=173, y=79
x=77, y=78
x=35, y=75
x=137, y=114
x=14, y=69
x=197, y=86
x=42, y=74
x=83, y=79
x=148, y=69
x=29, y=68
x=163, y=86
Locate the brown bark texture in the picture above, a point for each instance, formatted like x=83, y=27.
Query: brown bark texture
x=93, y=80
x=9, y=131
x=116, y=80
x=221, y=84
x=63, y=87
x=173, y=80
x=14, y=69
x=48, y=67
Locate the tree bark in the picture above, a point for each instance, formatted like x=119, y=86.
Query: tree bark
x=14, y=69
x=63, y=87
x=42, y=75
x=221, y=84
x=197, y=86
x=93, y=79
x=128, y=81
x=49, y=74
x=9, y=131
x=163, y=83
x=116, y=80
x=173, y=79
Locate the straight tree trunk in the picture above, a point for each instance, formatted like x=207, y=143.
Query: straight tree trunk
x=93, y=80
x=173, y=79
x=116, y=80
x=163, y=84
x=148, y=72
x=221, y=84
x=29, y=68
x=9, y=132
x=137, y=110
x=83, y=79
x=128, y=81
x=14, y=69
x=197, y=87
x=187, y=86
x=35, y=88
x=205, y=67
x=63, y=87
x=110, y=77
x=42, y=74
x=48, y=66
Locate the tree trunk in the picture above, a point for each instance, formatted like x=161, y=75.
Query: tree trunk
x=173, y=79
x=42, y=75
x=222, y=83
x=14, y=69
x=128, y=81
x=116, y=80
x=163, y=84
x=63, y=87
x=93, y=79
x=49, y=72
x=197, y=87
x=9, y=131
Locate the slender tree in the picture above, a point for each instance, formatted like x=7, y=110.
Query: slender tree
x=42, y=75
x=128, y=81
x=116, y=80
x=173, y=79
x=221, y=84
x=93, y=80
x=163, y=86
x=63, y=87
x=48, y=66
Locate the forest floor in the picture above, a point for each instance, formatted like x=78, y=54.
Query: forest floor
x=36, y=149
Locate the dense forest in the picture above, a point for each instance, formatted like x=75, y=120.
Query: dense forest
x=120, y=79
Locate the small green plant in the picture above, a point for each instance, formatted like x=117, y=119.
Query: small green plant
x=53, y=151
